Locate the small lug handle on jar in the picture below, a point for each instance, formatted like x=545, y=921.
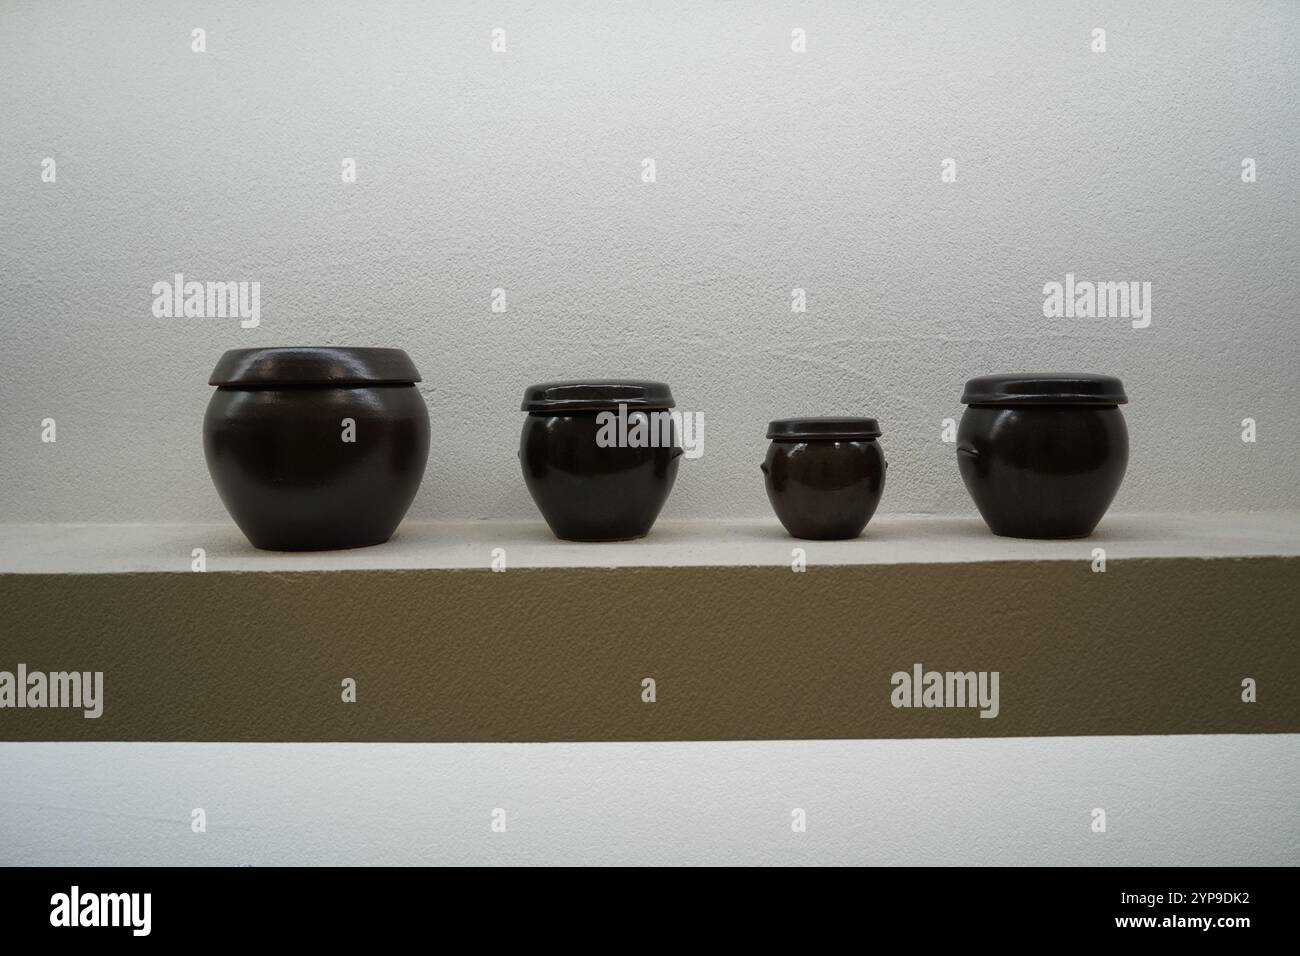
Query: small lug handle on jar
x=968, y=450
x=763, y=467
x=678, y=451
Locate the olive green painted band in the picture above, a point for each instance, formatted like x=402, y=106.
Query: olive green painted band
x=1151, y=646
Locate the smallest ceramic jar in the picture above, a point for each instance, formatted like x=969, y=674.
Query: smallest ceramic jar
x=824, y=476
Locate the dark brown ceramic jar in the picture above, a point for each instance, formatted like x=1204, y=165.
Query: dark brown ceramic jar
x=316, y=448
x=598, y=474
x=824, y=476
x=1043, y=455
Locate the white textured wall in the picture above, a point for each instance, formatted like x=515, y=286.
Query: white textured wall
x=1173, y=801
x=776, y=170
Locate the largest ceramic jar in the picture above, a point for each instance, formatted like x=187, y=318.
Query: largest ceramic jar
x=316, y=448
x=1043, y=455
x=599, y=457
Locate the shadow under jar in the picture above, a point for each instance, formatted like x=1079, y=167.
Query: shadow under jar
x=599, y=458
x=313, y=449
x=1043, y=455
x=824, y=476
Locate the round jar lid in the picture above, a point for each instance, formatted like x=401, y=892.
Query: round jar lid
x=587, y=396
x=314, y=365
x=824, y=429
x=1050, y=388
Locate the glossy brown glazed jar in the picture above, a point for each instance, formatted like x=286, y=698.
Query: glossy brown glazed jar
x=316, y=448
x=824, y=476
x=1043, y=455
x=595, y=472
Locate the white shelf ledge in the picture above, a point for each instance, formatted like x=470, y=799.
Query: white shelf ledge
x=889, y=540
x=739, y=647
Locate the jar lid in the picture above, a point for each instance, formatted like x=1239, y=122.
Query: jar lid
x=314, y=365
x=1050, y=388
x=596, y=395
x=824, y=429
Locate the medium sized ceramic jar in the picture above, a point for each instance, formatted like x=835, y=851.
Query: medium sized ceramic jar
x=824, y=476
x=1043, y=455
x=599, y=457
x=313, y=449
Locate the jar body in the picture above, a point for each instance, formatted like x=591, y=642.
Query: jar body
x=1042, y=471
x=285, y=469
x=824, y=489
x=589, y=489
